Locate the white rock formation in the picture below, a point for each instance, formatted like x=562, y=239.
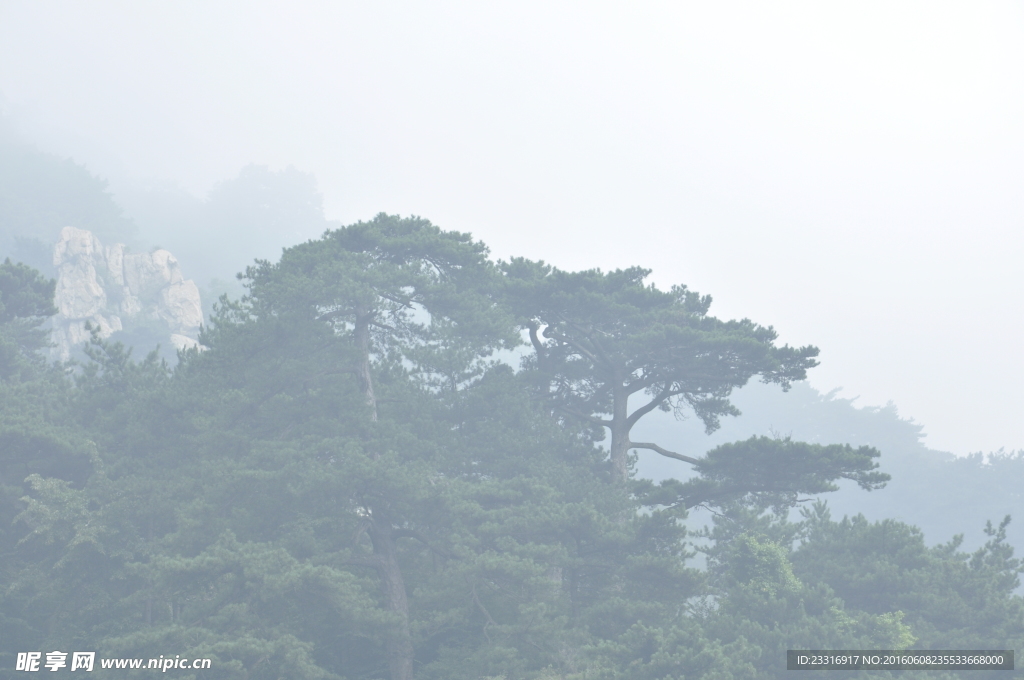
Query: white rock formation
x=105, y=286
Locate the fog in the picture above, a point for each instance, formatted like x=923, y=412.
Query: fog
x=849, y=173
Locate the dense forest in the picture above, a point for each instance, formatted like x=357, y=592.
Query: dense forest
x=394, y=457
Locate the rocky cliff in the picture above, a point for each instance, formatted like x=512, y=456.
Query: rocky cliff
x=109, y=287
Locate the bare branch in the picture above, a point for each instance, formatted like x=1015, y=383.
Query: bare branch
x=548, y=333
x=405, y=302
x=593, y=341
x=382, y=325
x=538, y=346
x=712, y=511
x=664, y=452
x=327, y=316
x=650, y=406
x=642, y=384
x=490, y=621
x=534, y=340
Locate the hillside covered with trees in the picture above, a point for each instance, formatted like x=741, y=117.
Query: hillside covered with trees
x=345, y=483
x=351, y=479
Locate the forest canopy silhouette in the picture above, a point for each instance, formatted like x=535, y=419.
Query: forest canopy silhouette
x=349, y=478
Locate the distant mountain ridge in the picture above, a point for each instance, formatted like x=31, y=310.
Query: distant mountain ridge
x=941, y=493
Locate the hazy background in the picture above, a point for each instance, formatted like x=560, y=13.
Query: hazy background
x=851, y=173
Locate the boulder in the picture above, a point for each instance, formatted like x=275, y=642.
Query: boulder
x=107, y=287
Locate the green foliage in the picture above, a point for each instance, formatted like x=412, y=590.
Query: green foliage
x=39, y=446
x=941, y=494
x=26, y=300
x=950, y=599
x=608, y=336
x=24, y=294
x=766, y=472
x=761, y=565
x=345, y=484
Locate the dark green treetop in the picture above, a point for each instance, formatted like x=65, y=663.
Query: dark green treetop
x=244, y=507
x=952, y=599
x=389, y=285
x=601, y=338
x=767, y=473
x=26, y=301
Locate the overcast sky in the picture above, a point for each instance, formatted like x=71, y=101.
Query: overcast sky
x=851, y=173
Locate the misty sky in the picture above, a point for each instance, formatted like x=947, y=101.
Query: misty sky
x=851, y=173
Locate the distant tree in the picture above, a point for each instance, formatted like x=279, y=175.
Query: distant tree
x=25, y=294
x=951, y=599
x=396, y=291
x=767, y=473
x=601, y=338
x=246, y=506
x=938, y=492
x=254, y=214
x=389, y=285
x=38, y=437
x=266, y=207
x=40, y=194
x=26, y=301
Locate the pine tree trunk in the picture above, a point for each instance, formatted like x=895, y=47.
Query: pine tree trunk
x=398, y=645
x=362, y=338
x=620, y=434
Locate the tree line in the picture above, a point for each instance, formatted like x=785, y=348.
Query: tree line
x=346, y=481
